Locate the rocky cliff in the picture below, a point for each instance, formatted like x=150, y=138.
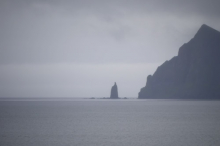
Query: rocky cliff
x=193, y=74
x=114, y=91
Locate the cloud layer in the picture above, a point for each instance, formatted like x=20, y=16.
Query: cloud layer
x=96, y=33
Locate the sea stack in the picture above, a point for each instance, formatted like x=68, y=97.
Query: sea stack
x=114, y=92
x=193, y=74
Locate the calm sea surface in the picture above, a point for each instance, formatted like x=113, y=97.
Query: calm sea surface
x=104, y=122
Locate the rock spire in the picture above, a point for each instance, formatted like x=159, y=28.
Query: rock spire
x=114, y=92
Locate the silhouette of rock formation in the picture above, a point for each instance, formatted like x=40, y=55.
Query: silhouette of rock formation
x=114, y=92
x=193, y=74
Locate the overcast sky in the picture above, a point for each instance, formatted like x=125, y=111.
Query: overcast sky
x=79, y=48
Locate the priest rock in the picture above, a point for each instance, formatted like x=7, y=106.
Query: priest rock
x=114, y=92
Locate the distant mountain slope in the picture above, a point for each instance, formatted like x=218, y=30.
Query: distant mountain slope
x=194, y=73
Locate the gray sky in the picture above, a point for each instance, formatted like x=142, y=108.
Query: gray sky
x=79, y=48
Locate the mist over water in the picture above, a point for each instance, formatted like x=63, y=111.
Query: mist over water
x=102, y=122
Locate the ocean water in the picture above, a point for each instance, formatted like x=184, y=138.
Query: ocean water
x=104, y=122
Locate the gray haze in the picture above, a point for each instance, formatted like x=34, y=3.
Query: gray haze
x=79, y=48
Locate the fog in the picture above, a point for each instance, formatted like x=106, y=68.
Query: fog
x=79, y=48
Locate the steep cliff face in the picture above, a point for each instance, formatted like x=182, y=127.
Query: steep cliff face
x=114, y=91
x=194, y=73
